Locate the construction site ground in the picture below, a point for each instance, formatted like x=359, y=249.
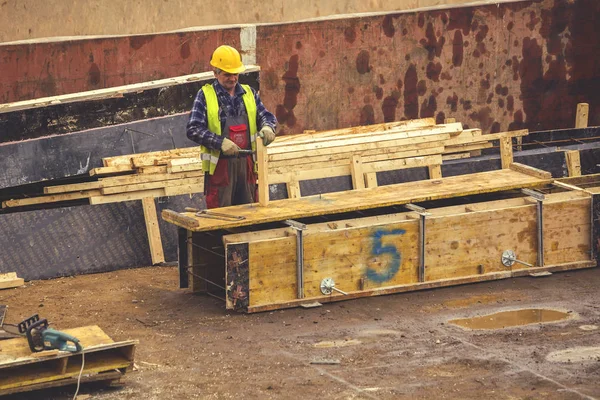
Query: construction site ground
x=390, y=347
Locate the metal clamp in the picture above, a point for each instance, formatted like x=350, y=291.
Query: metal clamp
x=328, y=286
x=539, y=198
x=509, y=258
x=299, y=228
x=423, y=213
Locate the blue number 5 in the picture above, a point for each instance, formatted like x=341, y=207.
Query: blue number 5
x=379, y=249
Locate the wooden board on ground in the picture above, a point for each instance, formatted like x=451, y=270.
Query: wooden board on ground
x=21, y=372
x=10, y=280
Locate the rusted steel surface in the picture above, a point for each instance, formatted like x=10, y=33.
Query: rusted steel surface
x=510, y=66
x=29, y=71
x=498, y=67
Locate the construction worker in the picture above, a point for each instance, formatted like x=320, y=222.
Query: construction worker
x=227, y=117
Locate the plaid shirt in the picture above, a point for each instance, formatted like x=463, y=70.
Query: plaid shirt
x=229, y=106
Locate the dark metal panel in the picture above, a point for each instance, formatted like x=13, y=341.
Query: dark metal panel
x=85, y=239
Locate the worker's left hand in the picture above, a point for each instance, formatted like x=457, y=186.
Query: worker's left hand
x=267, y=135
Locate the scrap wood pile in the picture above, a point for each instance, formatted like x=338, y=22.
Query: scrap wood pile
x=129, y=177
x=363, y=151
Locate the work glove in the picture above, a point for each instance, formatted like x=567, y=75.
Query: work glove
x=267, y=135
x=229, y=148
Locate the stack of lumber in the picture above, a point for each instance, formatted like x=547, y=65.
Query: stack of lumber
x=130, y=177
x=363, y=151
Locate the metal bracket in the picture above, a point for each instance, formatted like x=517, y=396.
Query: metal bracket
x=328, y=286
x=539, y=198
x=423, y=213
x=299, y=228
x=509, y=258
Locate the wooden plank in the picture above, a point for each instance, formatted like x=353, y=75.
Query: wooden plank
x=337, y=159
x=184, y=189
x=435, y=171
x=573, y=162
x=356, y=170
x=468, y=147
x=506, y=152
x=526, y=169
x=366, y=143
x=293, y=188
x=10, y=280
x=135, y=179
x=371, y=179
x=126, y=159
x=117, y=91
x=343, y=170
x=51, y=199
x=99, y=377
x=183, y=219
x=151, y=185
x=309, y=135
x=381, y=196
x=263, y=174
x=357, y=135
x=184, y=168
x=156, y=169
x=153, y=231
x=110, y=170
x=75, y=187
x=581, y=118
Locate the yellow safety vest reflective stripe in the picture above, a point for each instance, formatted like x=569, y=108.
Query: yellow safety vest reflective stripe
x=211, y=157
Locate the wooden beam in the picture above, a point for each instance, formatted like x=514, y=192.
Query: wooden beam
x=50, y=199
x=573, y=162
x=581, y=119
x=293, y=188
x=356, y=169
x=151, y=185
x=263, y=171
x=111, y=170
x=153, y=230
x=75, y=187
x=10, y=280
x=371, y=179
x=526, y=169
x=435, y=171
x=141, y=178
x=112, y=92
x=506, y=152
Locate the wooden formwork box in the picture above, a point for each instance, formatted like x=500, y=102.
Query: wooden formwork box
x=253, y=263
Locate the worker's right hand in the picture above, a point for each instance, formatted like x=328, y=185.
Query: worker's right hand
x=229, y=148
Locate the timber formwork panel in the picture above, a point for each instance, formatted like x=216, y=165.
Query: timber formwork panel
x=380, y=255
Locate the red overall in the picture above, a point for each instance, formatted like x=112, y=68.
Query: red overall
x=234, y=180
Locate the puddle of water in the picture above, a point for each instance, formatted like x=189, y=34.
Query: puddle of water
x=575, y=355
x=507, y=319
x=337, y=343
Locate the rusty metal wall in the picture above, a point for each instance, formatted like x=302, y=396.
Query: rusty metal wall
x=498, y=67
x=34, y=70
x=509, y=66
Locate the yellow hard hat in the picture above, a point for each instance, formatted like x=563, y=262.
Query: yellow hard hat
x=227, y=59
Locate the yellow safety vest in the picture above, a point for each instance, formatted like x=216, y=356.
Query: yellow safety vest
x=210, y=158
